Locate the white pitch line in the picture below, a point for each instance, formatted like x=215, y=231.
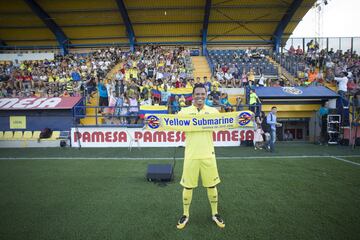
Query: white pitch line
x=170, y=158
x=344, y=160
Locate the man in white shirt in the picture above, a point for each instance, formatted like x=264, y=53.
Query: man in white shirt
x=133, y=109
x=228, y=79
x=262, y=80
x=342, y=84
x=146, y=102
x=159, y=74
x=220, y=76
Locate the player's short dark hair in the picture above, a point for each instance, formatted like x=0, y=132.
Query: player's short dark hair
x=198, y=85
x=273, y=107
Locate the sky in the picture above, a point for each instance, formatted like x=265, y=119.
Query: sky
x=340, y=18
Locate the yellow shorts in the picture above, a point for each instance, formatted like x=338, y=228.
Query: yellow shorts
x=207, y=168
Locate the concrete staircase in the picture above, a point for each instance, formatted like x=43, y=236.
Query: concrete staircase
x=283, y=72
x=287, y=75
x=94, y=102
x=201, y=67
x=92, y=112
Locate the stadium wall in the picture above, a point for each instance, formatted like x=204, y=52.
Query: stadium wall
x=38, y=113
x=60, y=120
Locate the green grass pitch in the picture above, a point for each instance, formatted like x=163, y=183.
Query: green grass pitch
x=300, y=192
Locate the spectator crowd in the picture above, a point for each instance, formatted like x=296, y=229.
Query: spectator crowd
x=148, y=75
x=69, y=75
x=324, y=67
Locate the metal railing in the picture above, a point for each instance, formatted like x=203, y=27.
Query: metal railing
x=209, y=61
x=336, y=43
x=107, y=113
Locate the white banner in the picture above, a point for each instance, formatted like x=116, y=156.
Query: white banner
x=138, y=137
x=26, y=56
x=233, y=91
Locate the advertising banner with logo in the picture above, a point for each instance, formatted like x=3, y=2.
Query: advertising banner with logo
x=310, y=92
x=38, y=103
x=201, y=122
x=138, y=137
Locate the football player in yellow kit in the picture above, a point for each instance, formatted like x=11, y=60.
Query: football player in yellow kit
x=199, y=160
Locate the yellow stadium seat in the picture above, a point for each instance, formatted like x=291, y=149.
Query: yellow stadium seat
x=36, y=135
x=55, y=135
x=1, y=134
x=18, y=135
x=27, y=135
x=8, y=135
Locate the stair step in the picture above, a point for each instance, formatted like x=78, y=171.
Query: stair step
x=201, y=67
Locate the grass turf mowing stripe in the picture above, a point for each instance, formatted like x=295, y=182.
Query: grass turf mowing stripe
x=281, y=150
x=259, y=199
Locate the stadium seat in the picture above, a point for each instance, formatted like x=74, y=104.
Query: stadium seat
x=8, y=135
x=1, y=134
x=36, y=135
x=55, y=135
x=18, y=135
x=27, y=135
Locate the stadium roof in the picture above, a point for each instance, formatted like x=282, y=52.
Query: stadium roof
x=94, y=22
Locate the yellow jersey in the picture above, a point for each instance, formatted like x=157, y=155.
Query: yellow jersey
x=199, y=145
x=253, y=98
x=182, y=102
x=251, y=77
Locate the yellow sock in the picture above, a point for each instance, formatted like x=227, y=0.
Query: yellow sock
x=187, y=196
x=213, y=199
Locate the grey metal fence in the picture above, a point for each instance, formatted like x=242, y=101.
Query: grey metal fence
x=336, y=43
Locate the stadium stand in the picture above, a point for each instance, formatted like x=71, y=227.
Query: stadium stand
x=18, y=135
x=244, y=59
x=55, y=135
x=36, y=135
x=142, y=75
x=231, y=65
x=27, y=135
x=322, y=67
x=63, y=76
x=113, y=61
x=155, y=70
x=8, y=135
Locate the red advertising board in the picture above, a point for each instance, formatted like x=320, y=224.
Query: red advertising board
x=125, y=137
x=38, y=103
